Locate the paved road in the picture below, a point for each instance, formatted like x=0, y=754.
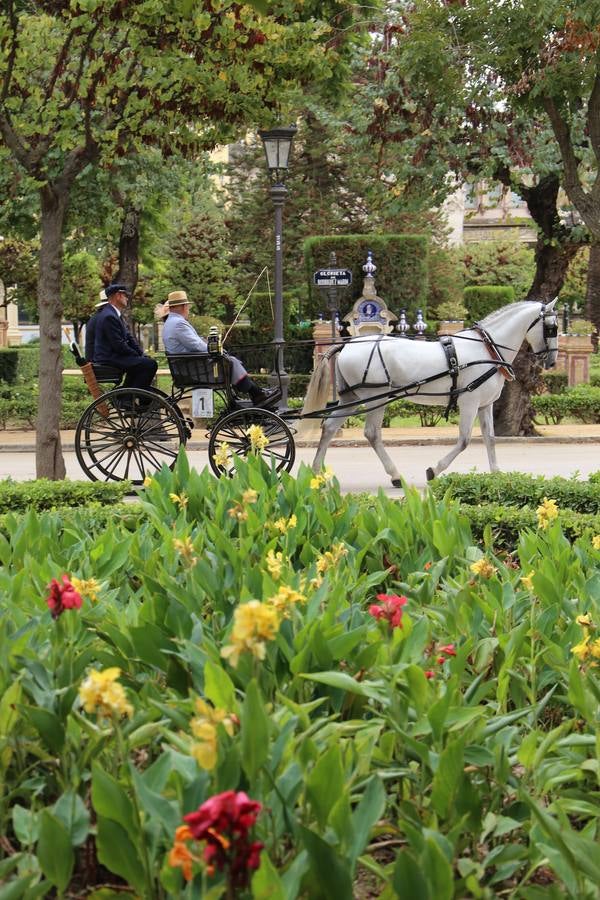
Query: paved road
x=358, y=469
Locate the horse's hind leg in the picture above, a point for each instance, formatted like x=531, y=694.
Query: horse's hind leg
x=329, y=429
x=486, y=421
x=465, y=427
x=373, y=435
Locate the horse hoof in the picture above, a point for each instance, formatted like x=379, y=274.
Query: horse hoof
x=429, y=474
x=397, y=482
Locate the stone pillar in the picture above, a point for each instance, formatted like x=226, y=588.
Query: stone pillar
x=14, y=334
x=322, y=339
x=3, y=333
x=574, y=357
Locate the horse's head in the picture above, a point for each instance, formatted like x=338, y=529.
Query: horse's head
x=543, y=334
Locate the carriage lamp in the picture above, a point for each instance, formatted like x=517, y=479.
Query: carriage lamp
x=420, y=325
x=277, y=145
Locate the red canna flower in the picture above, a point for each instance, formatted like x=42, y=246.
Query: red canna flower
x=224, y=822
x=389, y=608
x=62, y=597
x=429, y=673
x=427, y=566
x=448, y=650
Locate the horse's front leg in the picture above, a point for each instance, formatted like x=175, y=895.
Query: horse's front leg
x=486, y=420
x=373, y=424
x=329, y=429
x=468, y=411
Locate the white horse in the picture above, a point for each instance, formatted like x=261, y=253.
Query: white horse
x=372, y=371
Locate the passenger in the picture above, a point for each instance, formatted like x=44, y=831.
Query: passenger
x=179, y=336
x=90, y=328
x=115, y=346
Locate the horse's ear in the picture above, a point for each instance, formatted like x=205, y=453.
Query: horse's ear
x=550, y=306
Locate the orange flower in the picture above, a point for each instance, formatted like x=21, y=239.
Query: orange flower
x=180, y=857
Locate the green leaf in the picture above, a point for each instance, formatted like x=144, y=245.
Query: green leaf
x=15, y=890
x=119, y=854
x=254, y=731
x=218, y=687
x=346, y=682
x=366, y=814
x=54, y=851
x=72, y=812
x=330, y=874
x=447, y=777
x=326, y=783
x=26, y=825
x=439, y=871
x=49, y=727
x=111, y=801
x=266, y=883
x=408, y=879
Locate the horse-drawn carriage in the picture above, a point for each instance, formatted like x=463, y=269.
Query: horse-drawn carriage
x=129, y=433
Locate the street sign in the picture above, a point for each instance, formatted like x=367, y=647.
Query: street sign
x=332, y=278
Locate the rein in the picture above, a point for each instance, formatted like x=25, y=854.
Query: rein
x=505, y=369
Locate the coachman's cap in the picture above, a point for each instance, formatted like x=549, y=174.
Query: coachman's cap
x=102, y=301
x=115, y=289
x=177, y=298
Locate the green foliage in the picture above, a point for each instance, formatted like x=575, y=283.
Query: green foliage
x=401, y=278
x=556, y=380
x=581, y=402
x=42, y=494
x=80, y=285
x=484, y=299
x=19, y=364
x=345, y=729
x=517, y=489
x=506, y=263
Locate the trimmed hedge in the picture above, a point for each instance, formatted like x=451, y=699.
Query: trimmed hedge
x=581, y=403
x=507, y=522
x=557, y=380
x=91, y=520
x=19, y=364
x=481, y=300
x=400, y=280
x=44, y=494
x=517, y=489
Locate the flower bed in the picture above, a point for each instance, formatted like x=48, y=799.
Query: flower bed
x=268, y=689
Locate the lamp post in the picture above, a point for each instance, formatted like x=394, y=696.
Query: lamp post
x=277, y=144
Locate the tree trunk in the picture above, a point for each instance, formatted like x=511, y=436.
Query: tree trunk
x=513, y=412
x=592, y=292
x=49, y=459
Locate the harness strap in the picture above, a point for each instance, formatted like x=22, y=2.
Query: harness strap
x=376, y=346
x=506, y=370
x=453, y=370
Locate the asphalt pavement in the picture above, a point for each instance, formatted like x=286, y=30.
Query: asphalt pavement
x=560, y=450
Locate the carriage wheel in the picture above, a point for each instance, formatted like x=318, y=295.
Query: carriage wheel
x=231, y=436
x=128, y=434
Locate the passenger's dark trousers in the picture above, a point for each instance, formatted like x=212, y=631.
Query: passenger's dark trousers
x=139, y=370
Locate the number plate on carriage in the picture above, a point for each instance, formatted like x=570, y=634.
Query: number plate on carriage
x=332, y=277
x=202, y=403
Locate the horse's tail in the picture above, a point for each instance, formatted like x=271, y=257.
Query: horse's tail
x=316, y=394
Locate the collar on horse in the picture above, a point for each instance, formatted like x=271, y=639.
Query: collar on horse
x=504, y=368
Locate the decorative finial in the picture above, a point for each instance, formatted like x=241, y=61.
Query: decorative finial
x=369, y=267
x=402, y=327
x=420, y=325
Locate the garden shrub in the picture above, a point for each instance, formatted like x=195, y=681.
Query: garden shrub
x=401, y=277
x=552, y=408
x=581, y=402
x=506, y=523
x=556, y=380
x=481, y=300
x=518, y=489
x=44, y=494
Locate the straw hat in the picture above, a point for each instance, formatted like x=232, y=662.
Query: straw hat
x=102, y=301
x=177, y=298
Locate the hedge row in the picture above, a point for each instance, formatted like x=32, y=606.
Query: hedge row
x=515, y=489
x=401, y=277
x=581, y=403
x=43, y=494
x=507, y=523
x=481, y=300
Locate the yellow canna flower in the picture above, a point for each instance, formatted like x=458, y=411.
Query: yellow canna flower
x=483, y=568
x=185, y=548
x=282, y=524
x=258, y=439
x=204, y=728
x=250, y=496
x=238, y=512
x=87, y=588
x=585, y=621
x=331, y=558
x=596, y=542
x=582, y=650
x=546, y=513
x=222, y=456
x=322, y=478
x=595, y=648
x=285, y=599
x=274, y=564
x=100, y=692
x=180, y=500
x=254, y=623
x=527, y=581
x=148, y=481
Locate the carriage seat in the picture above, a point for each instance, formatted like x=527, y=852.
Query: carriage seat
x=199, y=370
x=107, y=374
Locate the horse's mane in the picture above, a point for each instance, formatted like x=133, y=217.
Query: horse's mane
x=511, y=309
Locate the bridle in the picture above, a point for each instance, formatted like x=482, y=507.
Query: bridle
x=550, y=330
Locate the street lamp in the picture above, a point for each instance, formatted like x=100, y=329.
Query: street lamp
x=277, y=144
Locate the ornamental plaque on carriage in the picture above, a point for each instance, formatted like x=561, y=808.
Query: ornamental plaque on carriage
x=370, y=314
